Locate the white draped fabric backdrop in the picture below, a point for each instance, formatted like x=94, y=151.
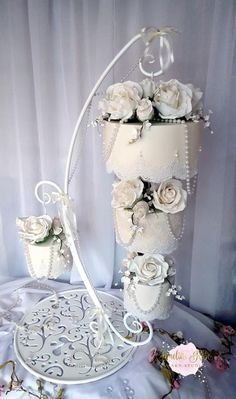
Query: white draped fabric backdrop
x=51, y=54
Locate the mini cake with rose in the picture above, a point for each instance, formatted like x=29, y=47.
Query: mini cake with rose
x=152, y=131
x=46, y=250
x=149, y=217
x=149, y=286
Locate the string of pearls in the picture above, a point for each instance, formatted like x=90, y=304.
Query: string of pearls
x=29, y=261
x=194, y=184
x=132, y=238
x=107, y=149
x=187, y=165
x=132, y=69
x=171, y=231
x=153, y=307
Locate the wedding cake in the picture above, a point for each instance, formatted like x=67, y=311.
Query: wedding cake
x=46, y=250
x=151, y=139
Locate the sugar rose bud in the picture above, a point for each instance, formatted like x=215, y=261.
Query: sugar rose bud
x=145, y=110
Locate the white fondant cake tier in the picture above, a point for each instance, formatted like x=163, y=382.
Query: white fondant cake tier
x=148, y=302
x=161, y=152
x=157, y=235
x=45, y=260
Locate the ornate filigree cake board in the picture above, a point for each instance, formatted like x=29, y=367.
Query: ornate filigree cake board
x=55, y=343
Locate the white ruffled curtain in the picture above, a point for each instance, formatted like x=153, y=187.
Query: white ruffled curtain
x=51, y=54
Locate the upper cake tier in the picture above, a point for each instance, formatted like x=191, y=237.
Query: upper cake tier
x=154, y=152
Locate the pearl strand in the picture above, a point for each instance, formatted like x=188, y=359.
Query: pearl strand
x=29, y=261
x=171, y=232
x=194, y=184
x=146, y=312
x=131, y=240
x=132, y=69
x=107, y=150
x=187, y=165
x=51, y=257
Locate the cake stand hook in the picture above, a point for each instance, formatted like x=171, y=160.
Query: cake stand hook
x=148, y=36
x=46, y=198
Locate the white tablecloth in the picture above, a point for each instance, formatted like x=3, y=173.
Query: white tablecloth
x=146, y=381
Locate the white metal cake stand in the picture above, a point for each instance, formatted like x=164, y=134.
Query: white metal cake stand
x=83, y=337
x=55, y=342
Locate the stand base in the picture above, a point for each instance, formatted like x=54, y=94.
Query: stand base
x=55, y=342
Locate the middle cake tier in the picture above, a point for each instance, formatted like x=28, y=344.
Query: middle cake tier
x=156, y=233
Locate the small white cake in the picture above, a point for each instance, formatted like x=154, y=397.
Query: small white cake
x=46, y=250
x=148, y=302
x=148, y=280
x=159, y=233
x=45, y=260
x=156, y=153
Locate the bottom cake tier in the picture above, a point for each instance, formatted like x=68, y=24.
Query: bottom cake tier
x=148, y=302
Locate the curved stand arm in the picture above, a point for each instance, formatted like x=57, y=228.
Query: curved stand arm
x=103, y=324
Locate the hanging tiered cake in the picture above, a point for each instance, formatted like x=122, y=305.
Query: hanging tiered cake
x=152, y=139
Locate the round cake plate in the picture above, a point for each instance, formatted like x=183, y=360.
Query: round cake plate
x=55, y=343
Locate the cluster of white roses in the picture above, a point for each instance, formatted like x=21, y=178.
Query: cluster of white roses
x=146, y=100
x=37, y=229
x=150, y=269
x=144, y=198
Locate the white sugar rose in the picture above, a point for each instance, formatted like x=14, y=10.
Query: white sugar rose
x=135, y=87
x=170, y=197
x=145, y=110
x=150, y=269
x=148, y=87
x=34, y=228
x=140, y=210
x=126, y=192
x=121, y=100
x=173, y=99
